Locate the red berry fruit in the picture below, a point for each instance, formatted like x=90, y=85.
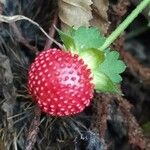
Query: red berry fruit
x=60, y=82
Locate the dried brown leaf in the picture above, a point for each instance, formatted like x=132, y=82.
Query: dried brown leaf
x=75, y=12
x=3, y=2
x=84, y=13
x=100, y=17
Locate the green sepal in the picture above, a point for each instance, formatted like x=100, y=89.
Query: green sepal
x=92, y=57
x=67, y=40
x=112, y=67
x=104, y=84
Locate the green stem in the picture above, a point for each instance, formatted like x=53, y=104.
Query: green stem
x=125, y=24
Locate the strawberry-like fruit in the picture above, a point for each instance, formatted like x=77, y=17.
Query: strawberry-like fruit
x=60, y=82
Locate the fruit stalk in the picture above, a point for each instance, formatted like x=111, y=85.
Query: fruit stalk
x=125, y=24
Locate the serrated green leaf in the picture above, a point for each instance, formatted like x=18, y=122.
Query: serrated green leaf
x=86, y=38
x=104, y=84
x=82, y=38
x=112, y=67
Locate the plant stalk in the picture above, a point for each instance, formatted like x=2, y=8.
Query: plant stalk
x=115, y=34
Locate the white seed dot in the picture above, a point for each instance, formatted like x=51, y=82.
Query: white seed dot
x=45, y=104
x=32, y=76
x=44, y=65
x=43, y=79
x=78, y=96
x=54, y=67
x=46, y=55
x=41, y=94
x=31, y=85
x=37, y=89
x=82, y=90
x=39, y=82
x=59, y=105
x=46, y=70
x=40, y=73
x=39, y=68
x=55, y=99
x=72, y=110
x=48, y=92
x=81, y=108
x=54, y=86
x=66, y=113
x=48, y=99
x=51, y=113
x=61, y=97
x=58, y=93
x=72, y=95
x=65, y=102
x=42, y=87
x=35, y=92
x=47, y=59
x=49, y=75
x=73, y=101
x=50, y=63
x=45, y=108
x=88, y=103
x=69, y=106
x=33, y=69
x=52, y=106
x=86, y=92
x=32, y=66
x=59, y=59
x=62, y=109
x=41, y=56
x=42, y=61
x=36, y=77
x=78, y=105
x=83, y=99
x=52, y=110
x=46, y=84
x=59, y=114
x=85, y=102
x=37, y=64
x=39, y=102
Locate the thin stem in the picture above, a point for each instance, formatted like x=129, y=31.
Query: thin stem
x=125, y=24
x=12, y=19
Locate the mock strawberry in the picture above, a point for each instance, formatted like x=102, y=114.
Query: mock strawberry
x=60, y=82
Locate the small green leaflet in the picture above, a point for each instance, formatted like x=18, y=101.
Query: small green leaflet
x=82, y=38
x=112, y=67
x=86, y=38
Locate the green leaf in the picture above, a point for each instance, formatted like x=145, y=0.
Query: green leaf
x=86, y=38
x=112, y=67
x=82, y=38
x=104, y=84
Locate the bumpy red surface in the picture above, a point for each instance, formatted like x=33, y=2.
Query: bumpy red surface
x=60, y=83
